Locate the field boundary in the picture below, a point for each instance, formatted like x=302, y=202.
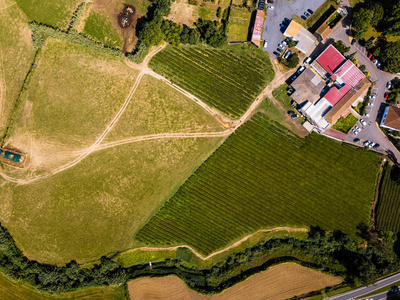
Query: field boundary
x=174, y=248
x=378, y=184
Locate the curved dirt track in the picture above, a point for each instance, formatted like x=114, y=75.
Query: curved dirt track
x=289, y=229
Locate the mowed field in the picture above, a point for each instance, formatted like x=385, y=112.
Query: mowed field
x=11, y=290
x=228, y=79
x=278, y=282
x=263, y=176
x=54, y=13
x=239, y=23
x=16, y=56
x=388, y=207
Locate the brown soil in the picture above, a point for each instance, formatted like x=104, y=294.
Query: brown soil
x=181, y=13
x=278, y=282
x=113, y=9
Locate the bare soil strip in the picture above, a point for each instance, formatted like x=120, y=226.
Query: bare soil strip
x=290, y=229
x=278, y=282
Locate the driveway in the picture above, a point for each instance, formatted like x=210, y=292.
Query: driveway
x=284, y=9
x=371, y=131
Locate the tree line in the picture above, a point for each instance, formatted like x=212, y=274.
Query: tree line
x=334, y=253
x=384, y=17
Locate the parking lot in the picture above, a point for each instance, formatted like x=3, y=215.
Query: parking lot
x=283, y=9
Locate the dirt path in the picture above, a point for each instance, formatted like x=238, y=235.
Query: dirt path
x=290, y=229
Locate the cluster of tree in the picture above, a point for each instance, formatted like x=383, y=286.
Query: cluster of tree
x=335, y=253
x=341, y=47
x=291, y=62
x=387, y=52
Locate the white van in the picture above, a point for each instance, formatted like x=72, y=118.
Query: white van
x=307, y=60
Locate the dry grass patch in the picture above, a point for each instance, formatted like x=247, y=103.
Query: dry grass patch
x=278, y=282
x=16, y=55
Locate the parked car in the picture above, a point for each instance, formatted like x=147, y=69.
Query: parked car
x=303, y=17
x=372, y=97
x=290, y=112
x=376, y=61
x=280, y=50
x=284, y=43
x=270, y=1
x=354, y=132
x=286, y=20
x=388, y=85
x=265, y=44
x=369, y=55
x=356, y=140
x=363, y=122
x=366, y=115
x=370, y=104
x=280, y=46
x=386, y=95
x=373, y=58
x=378, y=64
x=366, y=143
x=376, y=146
x=287, y=54
x=295, y=116
x=301, y=69
x=353, y=41
x=357, y=128
x=307, y=14
x=282, y=25
x=307, y=60
x=277, y=53
x=372, y=144
x=271, y=7
x=310, y=11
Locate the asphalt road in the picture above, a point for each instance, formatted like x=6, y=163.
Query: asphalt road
x=371, y=131
x=368, y=289
x=283, y=9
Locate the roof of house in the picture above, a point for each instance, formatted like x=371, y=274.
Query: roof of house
x=393, y=118
x=306, y=40
x=292, y=29
x=345, y=102
x=306, y=85
x=335, y=94
x=257, y=30
x=330, y=59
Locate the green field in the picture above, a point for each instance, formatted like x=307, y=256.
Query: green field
x=228, y=79
x=239, y=22
x=12, y=290
x=281, y=95
x=54, y=13
x=345, y=124
x=262, y=177
x=388, y=207
x=16, y=55
x=99, y=28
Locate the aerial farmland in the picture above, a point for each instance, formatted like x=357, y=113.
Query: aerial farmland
x=153, y=144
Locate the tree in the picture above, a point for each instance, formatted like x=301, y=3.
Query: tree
x=293, y=60
x=362, y=19
x=362, y=68
x=369, y=44
x=291, y=43
x=172, y=32
x=352, y=55
x=390, y=56
x=151, y=33
x=219, y=12
x=378, y=12
x=341, y=47
x=161, y=7
x=393, y=22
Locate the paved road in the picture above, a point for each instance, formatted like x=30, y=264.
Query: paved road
x=371, y=131
x=366, y=290
x=283, y=9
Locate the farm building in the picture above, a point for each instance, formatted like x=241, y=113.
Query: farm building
x=334, y=84
x=257, y=29
x=391, y=118
x=305, y=40
x=330, y=24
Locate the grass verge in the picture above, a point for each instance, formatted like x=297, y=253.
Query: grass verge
x=345, y=124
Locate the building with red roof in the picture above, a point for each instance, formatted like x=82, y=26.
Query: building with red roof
x=257, y=29
x=330, y=59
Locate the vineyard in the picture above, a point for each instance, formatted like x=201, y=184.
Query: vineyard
x=388, y=209
x=228, y=79
x=262, y=177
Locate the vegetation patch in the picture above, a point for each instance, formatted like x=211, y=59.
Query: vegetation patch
x=388, y=207
x=263, y=177
x=99, y=28
x=239, y=22
x=53, y=13
x=278, y=282
x=319, y=16
x=345, y=124
x=227, y=79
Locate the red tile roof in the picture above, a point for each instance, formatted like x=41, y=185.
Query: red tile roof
x=330, y=59
x=334, y=94
x=257, y=30
x=350, y=73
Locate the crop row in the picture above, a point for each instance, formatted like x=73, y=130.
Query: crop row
x=388, y=207
x=263, y=177
x=225, y=79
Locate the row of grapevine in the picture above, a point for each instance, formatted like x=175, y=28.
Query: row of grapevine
x=264, y=177
x=228, y=79
x=388, y=207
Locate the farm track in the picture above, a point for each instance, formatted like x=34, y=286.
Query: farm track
x=144, y=69
x=276, y=229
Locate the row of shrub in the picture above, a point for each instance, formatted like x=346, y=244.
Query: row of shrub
x=333, y=253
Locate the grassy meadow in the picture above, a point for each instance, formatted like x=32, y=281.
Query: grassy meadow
x=12, y=290
x=54, y=13
x=99, y=28
x=16, y=56
x=228, y=79
x=345, y=124
x=263, y=176
x=388, y=206
x=239, y=22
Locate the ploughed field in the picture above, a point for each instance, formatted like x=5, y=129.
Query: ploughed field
x=278, y=282
x=262, y=177
x=388, y=208
x=228, y=79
